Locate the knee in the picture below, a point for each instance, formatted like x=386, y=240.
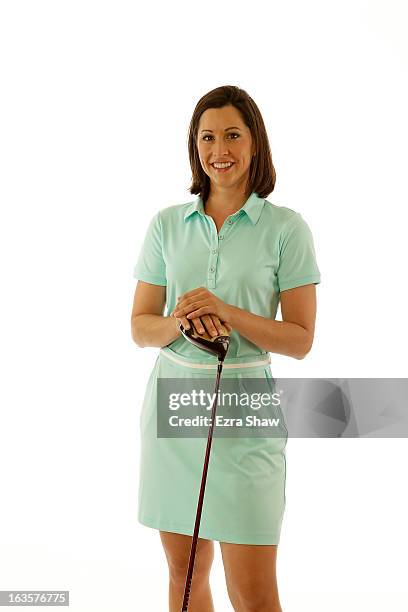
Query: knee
x=255, y=596
x=178, y=566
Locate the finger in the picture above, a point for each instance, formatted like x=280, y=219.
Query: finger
x=187, y=307
x=226, y=327
x=198, y=325
x=217, y=323
x=198, y=312
x=195, y=305
x=208, y=322
x=221, y=324
x=187, y=298
x=184, y=321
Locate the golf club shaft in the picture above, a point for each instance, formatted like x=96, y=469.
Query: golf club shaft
x=201, y=496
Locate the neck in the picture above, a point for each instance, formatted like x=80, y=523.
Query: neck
x=225, y=203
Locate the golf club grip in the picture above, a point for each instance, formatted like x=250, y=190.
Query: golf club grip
x=201, y=496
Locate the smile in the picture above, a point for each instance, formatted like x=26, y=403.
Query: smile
x=223, y=167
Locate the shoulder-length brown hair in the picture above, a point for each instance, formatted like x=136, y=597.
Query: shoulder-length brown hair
x=262, y=174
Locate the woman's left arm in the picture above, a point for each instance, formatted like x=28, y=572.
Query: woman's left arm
x=293, y=336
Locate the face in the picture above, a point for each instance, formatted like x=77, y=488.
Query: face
x=223, y=136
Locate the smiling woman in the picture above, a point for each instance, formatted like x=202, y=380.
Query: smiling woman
x=229, y=256
x=225, y=155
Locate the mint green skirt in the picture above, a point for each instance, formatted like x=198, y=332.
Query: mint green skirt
x=244, y=498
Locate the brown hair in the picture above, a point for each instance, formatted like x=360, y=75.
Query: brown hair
x=262, y=174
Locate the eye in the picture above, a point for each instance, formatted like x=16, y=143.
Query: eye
x=230, y=134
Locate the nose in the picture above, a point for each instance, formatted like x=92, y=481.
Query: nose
x=220, y=149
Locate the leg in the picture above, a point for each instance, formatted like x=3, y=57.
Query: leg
x=177, y=549
x=250, y=572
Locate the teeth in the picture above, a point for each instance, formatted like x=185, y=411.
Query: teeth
x=226, y=165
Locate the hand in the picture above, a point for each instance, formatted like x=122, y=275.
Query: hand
x=209, y=323
x=200, y=302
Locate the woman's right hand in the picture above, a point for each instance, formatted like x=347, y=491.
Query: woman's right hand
x=209, y=323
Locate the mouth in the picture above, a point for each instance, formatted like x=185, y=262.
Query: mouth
x=224, y=168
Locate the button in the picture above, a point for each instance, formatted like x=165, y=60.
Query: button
x=211, y=269
x=221, y=237
x=214, y=251
x=230, y=221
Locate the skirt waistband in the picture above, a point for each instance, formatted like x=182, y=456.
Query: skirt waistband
x=232, y=362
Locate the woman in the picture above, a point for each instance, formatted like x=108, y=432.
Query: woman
x=228, y=258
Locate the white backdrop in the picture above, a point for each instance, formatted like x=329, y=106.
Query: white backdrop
x=95, y=105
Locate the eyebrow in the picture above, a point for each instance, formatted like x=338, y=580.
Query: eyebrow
x=230, y=128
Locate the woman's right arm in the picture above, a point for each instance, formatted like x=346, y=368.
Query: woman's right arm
x=149, y=326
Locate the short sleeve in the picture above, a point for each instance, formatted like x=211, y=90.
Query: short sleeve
x=150, y=265
x=297, y=258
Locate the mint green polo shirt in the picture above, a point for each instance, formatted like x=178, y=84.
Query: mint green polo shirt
x=261, y=250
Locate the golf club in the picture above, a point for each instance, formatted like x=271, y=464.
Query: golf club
x=218, y=346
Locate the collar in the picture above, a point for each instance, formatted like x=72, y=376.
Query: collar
x=252, y=207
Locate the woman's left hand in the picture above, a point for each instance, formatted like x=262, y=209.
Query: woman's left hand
x=200, y=301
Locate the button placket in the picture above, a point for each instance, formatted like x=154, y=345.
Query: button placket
x=212, y=261
x=214, y=252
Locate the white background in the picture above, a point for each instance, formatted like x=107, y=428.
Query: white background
x=96, y=98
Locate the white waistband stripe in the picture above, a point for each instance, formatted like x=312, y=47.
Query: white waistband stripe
x=210, y=366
